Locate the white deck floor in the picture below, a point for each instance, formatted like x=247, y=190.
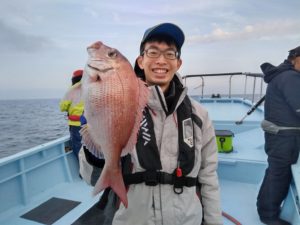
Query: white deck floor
x=237, y=200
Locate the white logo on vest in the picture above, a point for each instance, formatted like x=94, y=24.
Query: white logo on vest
x=145, y=134
x=187, y=129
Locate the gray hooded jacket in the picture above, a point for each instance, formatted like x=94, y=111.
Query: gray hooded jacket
x=160, y=205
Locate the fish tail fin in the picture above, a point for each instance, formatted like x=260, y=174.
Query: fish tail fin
x=113, y=180
x=142, y=102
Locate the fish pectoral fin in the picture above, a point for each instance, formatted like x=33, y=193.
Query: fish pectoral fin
x=74, y=93
x=89, y=143
x=113, y=180
x=142, y=99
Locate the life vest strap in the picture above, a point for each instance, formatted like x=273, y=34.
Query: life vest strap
x=153, y=178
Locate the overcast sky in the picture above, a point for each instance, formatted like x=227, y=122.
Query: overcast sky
x=42, y=42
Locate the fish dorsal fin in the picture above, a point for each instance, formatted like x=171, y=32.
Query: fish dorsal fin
x=143, y=94
x=89, y=143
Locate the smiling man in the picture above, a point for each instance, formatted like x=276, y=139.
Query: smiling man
x=176, y=149
x=171, y=172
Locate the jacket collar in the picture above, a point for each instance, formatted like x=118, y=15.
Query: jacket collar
x=175, y=95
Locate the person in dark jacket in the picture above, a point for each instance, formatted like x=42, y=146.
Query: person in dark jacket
x=282, y=110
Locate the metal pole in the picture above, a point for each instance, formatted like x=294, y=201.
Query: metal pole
x=253, y=91
x=245, y=87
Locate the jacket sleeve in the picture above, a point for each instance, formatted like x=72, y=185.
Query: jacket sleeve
x=65, y=105
x=71, y=96
x=207, y=176
x=290, y=91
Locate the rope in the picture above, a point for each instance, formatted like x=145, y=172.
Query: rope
x=232, y=219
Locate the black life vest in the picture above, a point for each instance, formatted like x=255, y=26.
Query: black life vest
x=148, y=153
x=149, y=156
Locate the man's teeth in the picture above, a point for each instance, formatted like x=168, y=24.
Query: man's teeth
x=160, y=70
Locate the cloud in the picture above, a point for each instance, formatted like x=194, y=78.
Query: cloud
x=266, y=30
x=120, y=12
x=15, y=40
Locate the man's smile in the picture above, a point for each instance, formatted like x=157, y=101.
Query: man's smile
x=160, y=70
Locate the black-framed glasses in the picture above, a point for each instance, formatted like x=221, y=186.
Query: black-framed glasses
x=155, y=53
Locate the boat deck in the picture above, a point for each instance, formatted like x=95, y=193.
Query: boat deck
x=237, y=194
x=239, y=201
x=241, y=171
x=248, y=140
x=229, y=109
x=38, y=175
x=76, y=191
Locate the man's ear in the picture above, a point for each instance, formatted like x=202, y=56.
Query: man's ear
x=140, y=62
x=179, y=62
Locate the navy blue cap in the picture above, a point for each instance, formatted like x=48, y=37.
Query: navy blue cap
x=294, y=52
x=169, y=29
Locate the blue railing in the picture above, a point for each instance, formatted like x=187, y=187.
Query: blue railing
x=244, y=75
x=30, y=172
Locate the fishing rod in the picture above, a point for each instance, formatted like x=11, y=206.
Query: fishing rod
x=251, y=110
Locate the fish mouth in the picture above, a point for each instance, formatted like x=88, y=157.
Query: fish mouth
x=104, y=70
x=99, y=71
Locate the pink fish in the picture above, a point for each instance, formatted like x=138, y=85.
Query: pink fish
x=114, y=99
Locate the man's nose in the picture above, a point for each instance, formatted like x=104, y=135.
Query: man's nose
x=161, y=58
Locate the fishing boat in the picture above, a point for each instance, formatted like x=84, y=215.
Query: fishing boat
x=41, y=185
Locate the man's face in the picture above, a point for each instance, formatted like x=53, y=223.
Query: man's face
x=296, y=63
x=160, y=70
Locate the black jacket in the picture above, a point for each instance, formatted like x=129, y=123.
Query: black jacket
x=282, y=104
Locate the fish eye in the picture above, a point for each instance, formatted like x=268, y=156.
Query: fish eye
x=112, y=54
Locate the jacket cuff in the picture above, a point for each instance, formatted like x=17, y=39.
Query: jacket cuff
x=93, y=160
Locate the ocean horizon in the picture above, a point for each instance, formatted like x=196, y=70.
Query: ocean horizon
x=26, y=123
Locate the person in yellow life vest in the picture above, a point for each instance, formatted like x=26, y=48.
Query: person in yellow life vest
x=74, y=109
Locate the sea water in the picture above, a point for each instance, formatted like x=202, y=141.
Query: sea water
x=27, y=123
